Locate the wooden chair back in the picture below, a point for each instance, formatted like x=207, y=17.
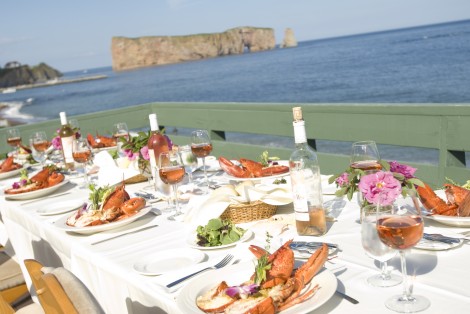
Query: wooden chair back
x=5, y=307
x=50, y=292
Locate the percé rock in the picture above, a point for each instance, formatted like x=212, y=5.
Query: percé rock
x=289, y=39
x=130, y=53
x=24, y=74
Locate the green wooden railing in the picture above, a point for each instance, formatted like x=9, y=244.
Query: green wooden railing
x=442, y=127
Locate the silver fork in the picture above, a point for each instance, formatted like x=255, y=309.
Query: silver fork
x=220, y=264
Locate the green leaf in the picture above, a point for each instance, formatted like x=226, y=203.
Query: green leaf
x=416, y=181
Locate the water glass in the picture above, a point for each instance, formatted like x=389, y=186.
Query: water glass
x=120, y=130
x=376, y=249
x=189, y=161
x=201, y=147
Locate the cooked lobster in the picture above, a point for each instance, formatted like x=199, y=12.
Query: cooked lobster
x=250, y=169
x=281, y=289
x=458, y=200
x=101, y=141
x=116, y=206
x=45, y=178
x=9, y=165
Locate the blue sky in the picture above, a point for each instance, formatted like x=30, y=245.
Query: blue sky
x=76, y=35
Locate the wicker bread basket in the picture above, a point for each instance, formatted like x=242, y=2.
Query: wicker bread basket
x=246, y=212
x=136, y=179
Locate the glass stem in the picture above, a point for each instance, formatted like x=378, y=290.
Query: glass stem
x=177, y=205
x=407, y=287
x=385, y=275
x=205, y=172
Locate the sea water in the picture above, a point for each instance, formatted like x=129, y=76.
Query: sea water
x=417, y=65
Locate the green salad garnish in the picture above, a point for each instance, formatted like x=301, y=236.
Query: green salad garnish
x=98, y=195
x=218, y=232
x=263, y=265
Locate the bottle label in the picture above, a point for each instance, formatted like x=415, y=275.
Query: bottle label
x=306, y=190
x=153, y=161
x=299, y=132
x=67, y=143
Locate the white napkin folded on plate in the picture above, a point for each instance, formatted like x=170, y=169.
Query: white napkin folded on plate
x=110, y=173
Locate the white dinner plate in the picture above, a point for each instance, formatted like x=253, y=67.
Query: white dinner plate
x=169, y=260
x=36, y=193
x=9, y=174
x=60, y=207
x=237, y=274
x=192, y=241
x=451, y=220
x=61, y=223
x=424, y=244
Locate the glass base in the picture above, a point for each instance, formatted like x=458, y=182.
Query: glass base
x=381, y=281
x=412, y=304
x=176, y=217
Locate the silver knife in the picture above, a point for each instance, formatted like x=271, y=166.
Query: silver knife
x=125, y=233
x=298, y=244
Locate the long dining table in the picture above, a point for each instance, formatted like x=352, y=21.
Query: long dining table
x=108, y=268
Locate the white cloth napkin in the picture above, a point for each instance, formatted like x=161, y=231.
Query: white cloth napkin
x=110, y=173
x=201, y=209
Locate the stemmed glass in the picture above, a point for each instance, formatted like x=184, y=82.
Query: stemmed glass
x=171, y=171
x=189, y=161
x=402, y=229
x=14, y=139
x=376, y=249
x=120, y=130
x=201, y=147
x=365, y=156
x=39, y=144
x=82, y=154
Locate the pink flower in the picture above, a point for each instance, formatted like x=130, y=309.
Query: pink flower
x=144, y=151
x=380, y=187
x=56, y=143
x=343, y=180
x=130, y=154
x=405, y=170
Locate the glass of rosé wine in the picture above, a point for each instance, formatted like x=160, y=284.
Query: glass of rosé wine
x=365, y=156
x=401, y=229
x=201, y=147
x=14, y=138
x=39, y=144
x=171, y=171
x=82, y=154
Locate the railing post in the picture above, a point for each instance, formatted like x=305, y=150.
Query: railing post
x=217, y=135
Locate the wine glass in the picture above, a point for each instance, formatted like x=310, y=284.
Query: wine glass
x=201, y=147
x=376, y=249
x=82, y=154
x=39, y=144
x=120, y=131
x=365, y=156
x=171, y=171
x=14, y=138
x=189, y=161
x=402, y=229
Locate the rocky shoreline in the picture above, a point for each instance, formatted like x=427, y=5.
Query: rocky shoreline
x=55, y=82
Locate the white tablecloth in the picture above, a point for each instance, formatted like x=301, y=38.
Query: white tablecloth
x=107, y=268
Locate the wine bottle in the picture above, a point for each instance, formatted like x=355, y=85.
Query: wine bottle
x=156, y=144
x=66, y=139
x=306, y=183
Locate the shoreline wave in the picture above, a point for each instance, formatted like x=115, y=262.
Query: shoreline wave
x=10, y=113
